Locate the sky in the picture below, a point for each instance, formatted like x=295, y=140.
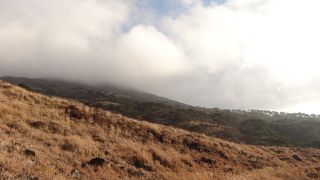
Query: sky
x=237, y=54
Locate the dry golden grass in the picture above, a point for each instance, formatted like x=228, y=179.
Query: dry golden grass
x=65, y=135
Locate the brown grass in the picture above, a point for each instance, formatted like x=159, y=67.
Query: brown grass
x=65, y=135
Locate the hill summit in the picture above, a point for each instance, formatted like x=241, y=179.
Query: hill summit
x=45, y=137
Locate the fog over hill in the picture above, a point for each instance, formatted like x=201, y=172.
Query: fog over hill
x=238, y=54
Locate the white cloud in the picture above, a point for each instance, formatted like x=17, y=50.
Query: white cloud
x=64, y=39
x=279, y=35
x=148, y=51
x=85, y=40
x=238, y=54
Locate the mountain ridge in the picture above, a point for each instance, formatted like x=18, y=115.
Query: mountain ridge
x=39, y=85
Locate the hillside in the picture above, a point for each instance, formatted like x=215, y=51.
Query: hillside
x=251, y=127
x=99, y=93
x=45, y=137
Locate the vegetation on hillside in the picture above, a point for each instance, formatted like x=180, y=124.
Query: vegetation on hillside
x=251, y=127
x=51, y=138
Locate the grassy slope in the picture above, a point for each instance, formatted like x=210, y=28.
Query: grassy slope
x=255, y=127
x=63, y=138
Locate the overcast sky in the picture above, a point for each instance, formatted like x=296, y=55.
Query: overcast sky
x=242, y=54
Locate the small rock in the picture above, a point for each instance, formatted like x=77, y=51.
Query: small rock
x=33, y=178
x=75, y=173
x=96, y=162
x=139, y=162
x=38, y=124
x=296, y=157
x=31, y=162
x=29, y=152
x=75, y=112
x=284, y=158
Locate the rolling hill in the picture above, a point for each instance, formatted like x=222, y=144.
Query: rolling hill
x=254, y=127
x=44, y=137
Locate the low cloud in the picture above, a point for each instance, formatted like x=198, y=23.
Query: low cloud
x=237, y=54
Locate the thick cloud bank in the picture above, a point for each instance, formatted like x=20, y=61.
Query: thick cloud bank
x=261, y=54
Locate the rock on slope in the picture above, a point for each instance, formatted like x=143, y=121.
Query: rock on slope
x=51, y=138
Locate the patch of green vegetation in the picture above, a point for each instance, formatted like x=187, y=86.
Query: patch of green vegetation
x=260, y=132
